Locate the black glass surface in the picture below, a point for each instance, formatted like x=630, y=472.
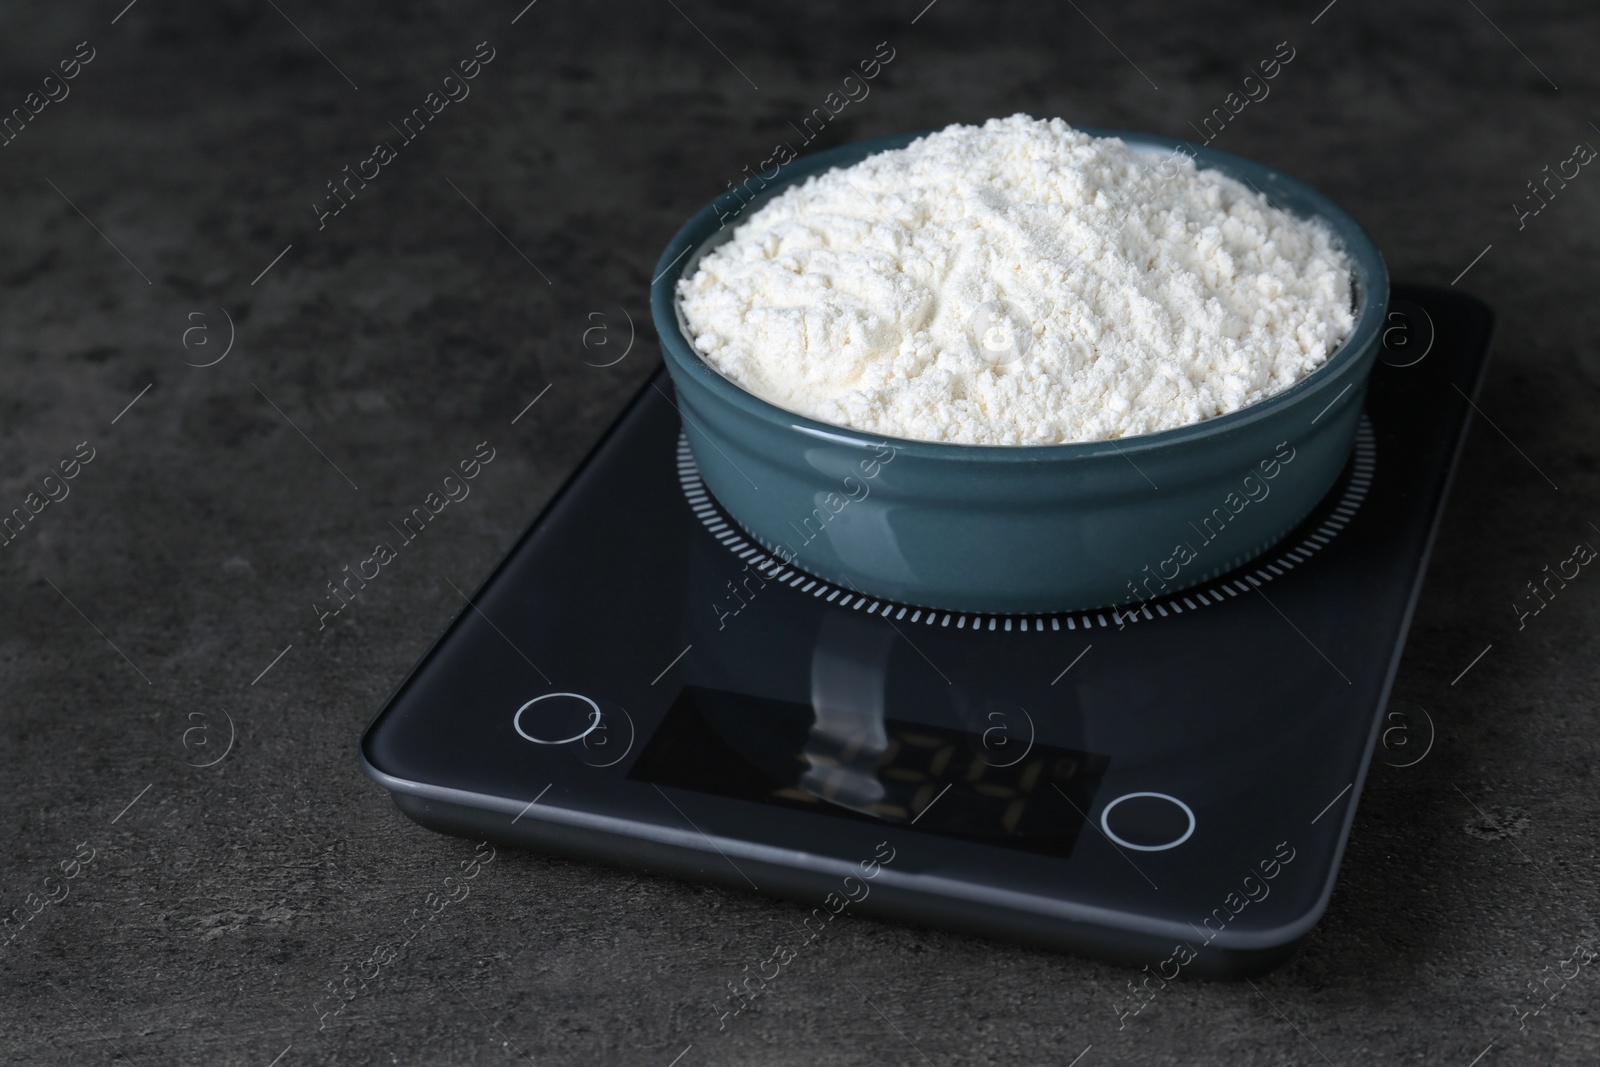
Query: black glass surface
x=1220, y=736
x=933, y=778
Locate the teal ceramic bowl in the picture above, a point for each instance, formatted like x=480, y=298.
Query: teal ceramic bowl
x=1022, y=529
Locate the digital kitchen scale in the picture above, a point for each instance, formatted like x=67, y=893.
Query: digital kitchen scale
x=639, y=684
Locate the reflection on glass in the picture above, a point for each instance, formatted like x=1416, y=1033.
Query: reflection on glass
x=846, y=756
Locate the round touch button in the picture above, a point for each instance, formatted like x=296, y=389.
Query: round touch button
x=557, y=718
x=1147, y=822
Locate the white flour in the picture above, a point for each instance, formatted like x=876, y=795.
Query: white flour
x=1018, y=283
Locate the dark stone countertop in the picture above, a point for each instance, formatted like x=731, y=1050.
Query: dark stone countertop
x=218, y=908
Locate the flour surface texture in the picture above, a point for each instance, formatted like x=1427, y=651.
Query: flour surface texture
x=1019, y=283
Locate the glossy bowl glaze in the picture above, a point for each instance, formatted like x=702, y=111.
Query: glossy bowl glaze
x=1022, y=529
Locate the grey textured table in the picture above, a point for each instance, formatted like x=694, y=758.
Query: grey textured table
x=208, y=915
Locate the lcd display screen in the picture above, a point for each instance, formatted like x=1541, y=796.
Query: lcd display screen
x=930, y=778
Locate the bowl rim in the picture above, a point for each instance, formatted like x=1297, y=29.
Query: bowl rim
x=1369, y=280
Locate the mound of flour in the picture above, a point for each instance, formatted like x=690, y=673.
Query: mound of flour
x=1018, y=283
